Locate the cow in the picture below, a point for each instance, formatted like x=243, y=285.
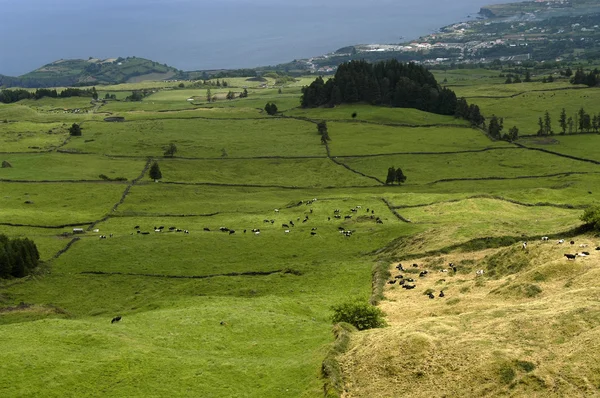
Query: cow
x=570, y=256
x=115, y=319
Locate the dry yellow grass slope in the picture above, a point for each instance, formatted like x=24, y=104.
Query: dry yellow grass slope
x=528, y=327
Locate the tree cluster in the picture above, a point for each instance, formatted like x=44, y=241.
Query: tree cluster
x=18, y=257
x=75, y=130
x=580, y=122
x=271, y=108
x=322, y=130
x=590, y=79
x=468, y=112
x=11, y=96
x=138, y=95
x=388, y=83
x=395, y=175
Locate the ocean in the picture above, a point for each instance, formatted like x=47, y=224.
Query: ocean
x=199, y=34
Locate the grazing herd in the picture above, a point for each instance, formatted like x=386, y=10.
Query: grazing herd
x=408, y=283
x=288, y=225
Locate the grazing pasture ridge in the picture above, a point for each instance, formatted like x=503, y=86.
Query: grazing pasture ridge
x=218, y=280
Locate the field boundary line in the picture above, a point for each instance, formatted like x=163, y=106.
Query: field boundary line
x=249, y=273
x=493, y=197
x=511, y=178
x=8, y=224
x=66, y=248
x=558, y=154
x=124, y=195
x=526, y=92
x=394, y=212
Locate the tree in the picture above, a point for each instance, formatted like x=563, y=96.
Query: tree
x=75, y=130
x=581, y=116
x=181, y=85
x=279, y=91
x=94, y=94
x=208, y=95
x=400, y=177
x=541, y=126
x=513, y=133
x=244, y=94
x=495, y=127
x=271, y=108
x=391, y=176
x=596, y=123
x=570, y=123
x=527, y=77
x=563, y=121
x=322, y=130
x=230, y=95
x=508, y=80
x=170, y=150
x=547, y=124
x=517, y=79
x=155, y=173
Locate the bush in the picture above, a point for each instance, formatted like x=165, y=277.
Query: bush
x=591, y=217
x=75, y=130
x=360, y=315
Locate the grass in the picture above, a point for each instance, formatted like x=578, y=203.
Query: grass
x=205, y=308
x=61, y=166
x=376, y=115
x=363, y=139
x=200, y=138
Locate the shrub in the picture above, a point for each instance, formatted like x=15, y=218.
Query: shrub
x=359, y=314
x=591, y=217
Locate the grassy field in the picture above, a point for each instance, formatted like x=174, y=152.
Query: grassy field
x=218, y=314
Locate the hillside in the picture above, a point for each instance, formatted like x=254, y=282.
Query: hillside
x=237, y=306
x=73, y=72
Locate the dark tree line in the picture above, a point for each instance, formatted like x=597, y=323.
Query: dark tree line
x=388, y=83
x=18, y=257
x=578, y=123
x=10, y=96
x=589, y=79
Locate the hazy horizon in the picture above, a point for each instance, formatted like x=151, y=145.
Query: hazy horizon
x=193, y=35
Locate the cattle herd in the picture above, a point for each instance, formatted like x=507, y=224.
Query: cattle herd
x=288, y=225
x=408, y=283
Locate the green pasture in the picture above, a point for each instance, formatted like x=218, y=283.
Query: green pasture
x=310, y=173
x=213, y=314
x=381, y=115
x=586, y=146
x=501, y=90
x=469, y=218
x=194, y=113
x=349, y=139
x=501, y=163
x=64, y=166
x=524, y=110
x=467, y=77
x=201, y=138
x=59, y=104
x=57, y=203
x=21, y=113
x=48, y=240
x=31, y=137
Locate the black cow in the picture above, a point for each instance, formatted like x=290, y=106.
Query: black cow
x=284, y=226
x=392, y=282
x=442, y=293
x=207, y=229
x=570, y=256
x=115, y=319
x=430, y=295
